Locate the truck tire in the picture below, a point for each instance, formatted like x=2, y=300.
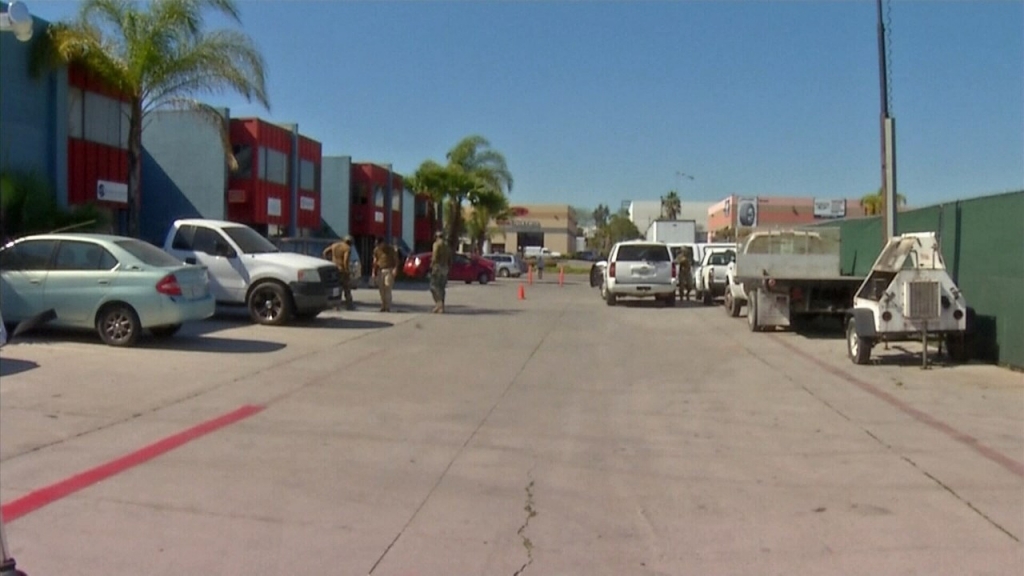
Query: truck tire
x=858, y=348
x=270, y=303
x=752, y=311
x=707, y=298
x=609, y=298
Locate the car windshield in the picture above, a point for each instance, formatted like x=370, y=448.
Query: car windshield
x=148, y=254
x=249, y=241
x=643, y=253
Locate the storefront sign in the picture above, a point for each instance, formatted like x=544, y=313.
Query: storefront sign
x=824, y=208
x=107, y=191
x=273, y=206
x=236, y=196
x=307, y=203
x=523, y=223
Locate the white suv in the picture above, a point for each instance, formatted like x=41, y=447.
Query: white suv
x=640, y=269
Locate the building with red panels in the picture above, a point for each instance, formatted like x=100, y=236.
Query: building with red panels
x=97, y=145
x=307, y=211
x=370, y=184
x=424, y=223
x=749, y=211
x=274, y=190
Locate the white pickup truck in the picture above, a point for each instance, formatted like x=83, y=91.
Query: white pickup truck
x=711, y=279
x=247, y=269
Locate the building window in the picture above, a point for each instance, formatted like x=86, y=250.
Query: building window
x=243, y=154
x=421, y=207
x=275, y=169
x=396, y=200
x=102, y=120
x=307, y=175
x=262, y=164
x=378, y=197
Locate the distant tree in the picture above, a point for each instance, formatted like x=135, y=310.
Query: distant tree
x=671, y=205
x=159, y=55
x=601, y=214
x=874, y=203
x=584, y=216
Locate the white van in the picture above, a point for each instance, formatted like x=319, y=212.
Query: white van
x=535, y=251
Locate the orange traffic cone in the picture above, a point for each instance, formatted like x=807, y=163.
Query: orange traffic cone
x=522, y=292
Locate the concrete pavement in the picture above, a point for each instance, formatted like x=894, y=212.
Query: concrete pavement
x=550, y=436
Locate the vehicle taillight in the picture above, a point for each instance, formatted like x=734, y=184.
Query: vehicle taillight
x=169, y=285
x=675, y=271
x=611, y=269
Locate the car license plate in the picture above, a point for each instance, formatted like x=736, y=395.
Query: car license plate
x=335, y=292
x=644, y=288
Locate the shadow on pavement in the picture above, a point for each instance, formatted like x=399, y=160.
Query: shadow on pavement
x=901, y=356
x=456, y=309
x=336, y=323
x=12, y=366
x=191, y=339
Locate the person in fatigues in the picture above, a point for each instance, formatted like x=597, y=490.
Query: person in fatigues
x=440, y=263
x=341, y=254
x=385, y=267
x=685, y=272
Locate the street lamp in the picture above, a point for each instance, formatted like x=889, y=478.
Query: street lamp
x=17, y=19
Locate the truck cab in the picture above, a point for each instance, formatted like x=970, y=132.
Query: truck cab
x=246, y=269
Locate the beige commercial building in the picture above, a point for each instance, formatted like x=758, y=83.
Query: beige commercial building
x=552, y=226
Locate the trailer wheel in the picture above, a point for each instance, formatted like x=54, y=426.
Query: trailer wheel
x=956, y=347
x=858, y=348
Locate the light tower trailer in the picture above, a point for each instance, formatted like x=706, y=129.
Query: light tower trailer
x=908, y=295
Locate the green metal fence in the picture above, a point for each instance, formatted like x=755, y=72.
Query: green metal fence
x=982, y=243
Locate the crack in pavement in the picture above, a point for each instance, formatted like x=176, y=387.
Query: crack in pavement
x=458, y=453
x=530, y=513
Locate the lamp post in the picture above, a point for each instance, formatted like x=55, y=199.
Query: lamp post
x=18, y=20
x=388, y=200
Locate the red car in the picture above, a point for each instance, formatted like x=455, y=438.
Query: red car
x=467, y=268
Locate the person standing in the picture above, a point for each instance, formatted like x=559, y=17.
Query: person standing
x=540, y=265
x=341, y=254
x=440, y=263
x=385, y=267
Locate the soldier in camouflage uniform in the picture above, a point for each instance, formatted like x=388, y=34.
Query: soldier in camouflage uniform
x=385, y=268
x=684, y=264
x=440, y=263
x=340, y=253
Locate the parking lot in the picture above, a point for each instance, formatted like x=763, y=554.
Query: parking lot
x=553, y=435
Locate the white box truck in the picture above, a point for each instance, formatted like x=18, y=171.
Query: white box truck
x=672, y=231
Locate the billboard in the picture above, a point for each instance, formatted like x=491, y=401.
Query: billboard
x=825, y=208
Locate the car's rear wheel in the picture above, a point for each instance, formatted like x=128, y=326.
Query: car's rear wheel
x=858, y=348
x=270, y=304
x=118, y=325
x=752, y=312
x=504, y=273
x=165, y=331
x=609, y=298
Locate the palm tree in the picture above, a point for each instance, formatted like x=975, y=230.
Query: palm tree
x=484, y=179
x=670, y=205
x=601, y=215
x=874, y=203
x=159, y=55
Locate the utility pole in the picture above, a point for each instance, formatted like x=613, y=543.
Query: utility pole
x=888, y=136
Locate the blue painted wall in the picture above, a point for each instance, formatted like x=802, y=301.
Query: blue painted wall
x=33, y=115
x=336, y=193
x=184, y=171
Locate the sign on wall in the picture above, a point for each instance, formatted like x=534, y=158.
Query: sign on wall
x=236, y=196
x=307, y=203
x=825, y=208
x=746, y=213
x=107, y=191
x=273, y=206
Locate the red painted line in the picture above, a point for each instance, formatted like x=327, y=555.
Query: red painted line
x=39, y=498
x=992, y=454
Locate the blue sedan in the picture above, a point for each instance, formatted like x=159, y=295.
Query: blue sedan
x=115, y=285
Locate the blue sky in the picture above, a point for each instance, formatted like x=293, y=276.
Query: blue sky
x=598, y=102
